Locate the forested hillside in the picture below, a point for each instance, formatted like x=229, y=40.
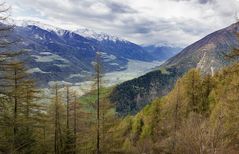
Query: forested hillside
x=188, y=105
x=200, y=115
x=207, y=54
x=131, y=96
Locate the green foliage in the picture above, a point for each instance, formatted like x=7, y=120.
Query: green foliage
x=203, y=107
x=89, y=99
x=127, y=145
x=135, y=94
x=146, y=131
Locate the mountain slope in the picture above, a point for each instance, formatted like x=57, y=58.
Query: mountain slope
x=206, y=54
x=131, y=96
x=214, y=107
x=61, y=55
x=209, y=52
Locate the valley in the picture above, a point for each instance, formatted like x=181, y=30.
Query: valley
x=52, y=58
x=119, y=77
x=208, y=54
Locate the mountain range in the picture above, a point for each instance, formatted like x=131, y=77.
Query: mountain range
x=207, y=54
x=56, y=54
x=162, y=52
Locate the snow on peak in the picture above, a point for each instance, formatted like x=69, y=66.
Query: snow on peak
x=59, y=31
x=98, y=36
x=25, y=23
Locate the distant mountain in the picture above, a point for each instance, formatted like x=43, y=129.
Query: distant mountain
x=208, y=54
x=57, y=54
x=162, y=52
x=87, y=33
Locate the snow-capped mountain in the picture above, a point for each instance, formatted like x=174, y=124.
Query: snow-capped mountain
x=56, y=54
x=50, y=28
x=98, y=36
x=85, y=32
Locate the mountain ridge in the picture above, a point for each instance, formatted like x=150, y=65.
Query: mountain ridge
x=216, y=45
x=56, y=54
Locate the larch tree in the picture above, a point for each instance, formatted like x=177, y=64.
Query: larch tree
x=193, y=86
x=16, y=94
x=176, y=117
x=55, y=124
x=98, y=80
x=72, y=110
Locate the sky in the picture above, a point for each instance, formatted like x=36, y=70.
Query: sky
x=145, y=22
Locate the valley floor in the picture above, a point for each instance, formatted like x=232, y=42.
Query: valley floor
x=134, y=69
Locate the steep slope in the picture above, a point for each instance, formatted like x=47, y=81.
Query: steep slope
x=131, y=96
x=204, y=118
x=61, y=55
x=208, y=54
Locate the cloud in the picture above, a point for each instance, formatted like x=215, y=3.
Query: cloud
x=199, y=1
x=204, y=1
x=117, y=7
x=177, y=22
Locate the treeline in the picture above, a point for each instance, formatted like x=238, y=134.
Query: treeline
x=200, y=115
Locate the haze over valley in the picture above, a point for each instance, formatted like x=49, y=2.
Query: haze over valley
x=119, y=77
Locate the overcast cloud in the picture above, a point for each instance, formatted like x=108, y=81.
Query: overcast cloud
x=175, y=22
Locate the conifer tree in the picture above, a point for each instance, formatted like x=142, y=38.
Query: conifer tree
x=98, y=77
x=20, y=114
x=71, y=122
x=58, y=138
x=193, y=86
